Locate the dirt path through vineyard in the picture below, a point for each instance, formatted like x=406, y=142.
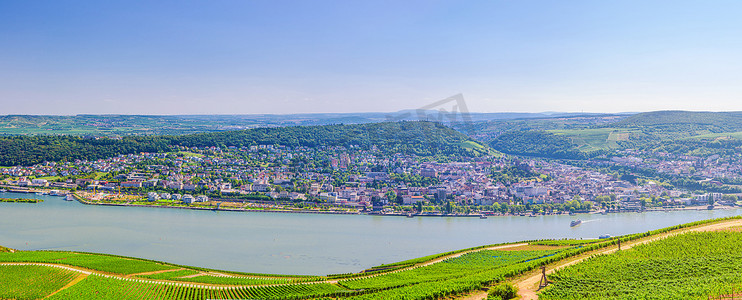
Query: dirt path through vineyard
x=527, y=284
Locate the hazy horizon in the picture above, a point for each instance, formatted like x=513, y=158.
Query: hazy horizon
x=546, y=113
x=289, y=57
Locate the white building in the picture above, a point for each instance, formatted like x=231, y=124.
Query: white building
x=152, y=196
x=39, y=182
x=260, y=187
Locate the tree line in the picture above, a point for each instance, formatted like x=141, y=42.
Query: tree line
x=408, y=137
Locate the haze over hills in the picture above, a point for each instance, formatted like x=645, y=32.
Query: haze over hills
x=121, y=125
x=722, y=120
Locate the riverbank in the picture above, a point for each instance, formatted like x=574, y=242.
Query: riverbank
x=348, y=211
x=83, y=200
x=482, y=215
x=20, y=200
x=26, y=190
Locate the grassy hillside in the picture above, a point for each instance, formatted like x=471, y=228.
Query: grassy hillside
x=673, y=125
x=588, y=140
x=723, y=120
x=693, y=265
x=682, y=132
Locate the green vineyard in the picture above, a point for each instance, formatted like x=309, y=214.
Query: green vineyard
x=100, y=287
x=233, y=280
x=480, y=261
x=198, y=277
x=15, y=280
x=171, y=275
x=103, y=263
x=691, y=264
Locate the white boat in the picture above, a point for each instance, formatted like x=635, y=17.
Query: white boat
x=69, y=198
x=575, y=223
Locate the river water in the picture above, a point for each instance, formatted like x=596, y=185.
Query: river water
x=282, y=243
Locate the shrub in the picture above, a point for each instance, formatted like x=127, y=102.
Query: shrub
x=504, y=291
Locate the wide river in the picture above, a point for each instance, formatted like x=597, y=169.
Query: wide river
x=289, y=243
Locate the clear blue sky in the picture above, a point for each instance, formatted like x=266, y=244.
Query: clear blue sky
x=240, y=57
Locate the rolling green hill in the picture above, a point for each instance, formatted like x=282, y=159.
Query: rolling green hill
x=537, y=143
x=696, y=133
x=407, y=137
x=727, y=121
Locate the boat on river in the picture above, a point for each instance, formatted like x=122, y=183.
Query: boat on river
x=575, y=223
x=69, y=197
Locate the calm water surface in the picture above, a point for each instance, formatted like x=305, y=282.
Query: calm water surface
x=288, y=243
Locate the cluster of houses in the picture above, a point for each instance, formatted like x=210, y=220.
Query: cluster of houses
x=351, y=177
x=713, y=166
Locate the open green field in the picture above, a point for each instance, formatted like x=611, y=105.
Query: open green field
x=713, y=136
x=589, y=140
x=189, y=154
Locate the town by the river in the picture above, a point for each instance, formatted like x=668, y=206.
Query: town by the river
x=290, y=243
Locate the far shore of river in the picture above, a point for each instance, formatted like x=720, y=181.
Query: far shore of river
x=406, y=214
x=482, y=215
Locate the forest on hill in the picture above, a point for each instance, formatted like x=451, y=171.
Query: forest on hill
x=408, y=137
x=677, y=132
x=537, y=143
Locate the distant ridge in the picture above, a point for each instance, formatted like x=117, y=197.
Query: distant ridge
x=114, y=125
x=721, y=119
